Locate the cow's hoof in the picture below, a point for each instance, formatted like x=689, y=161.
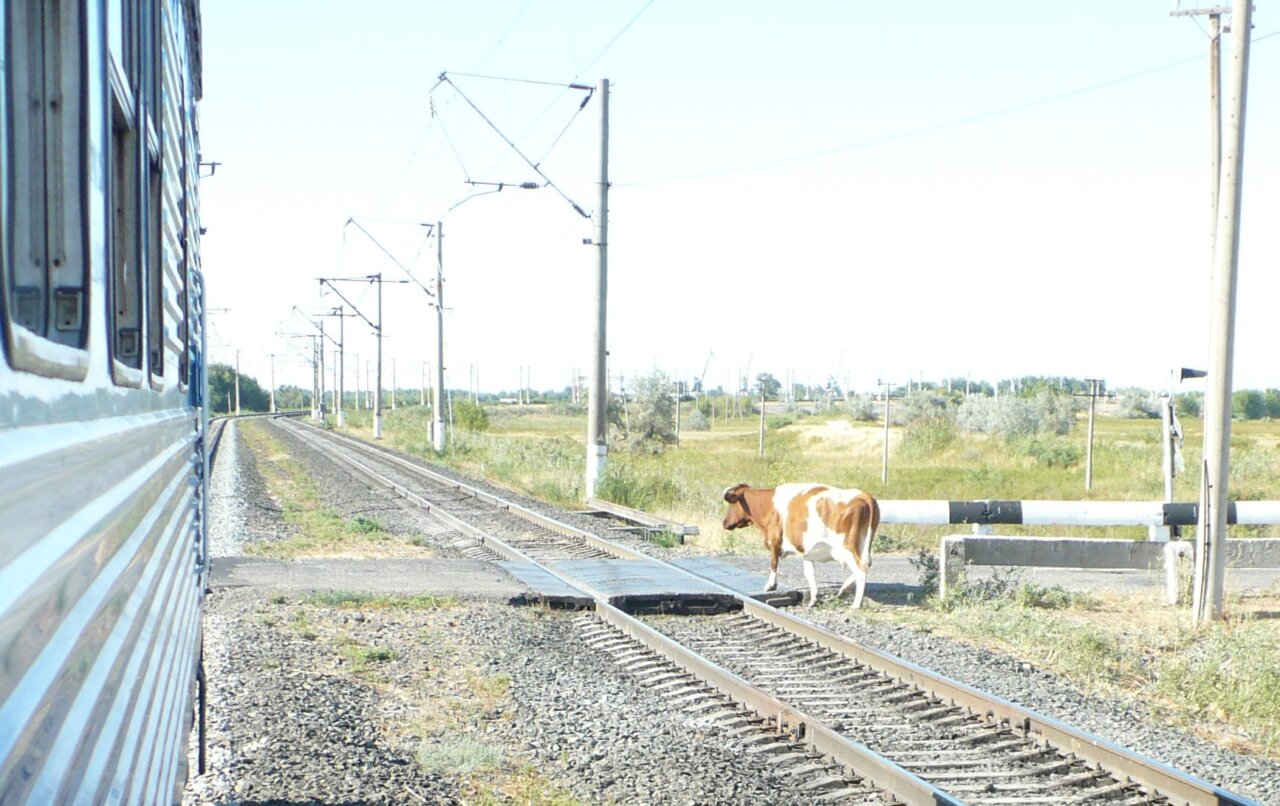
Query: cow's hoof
x=811, y=603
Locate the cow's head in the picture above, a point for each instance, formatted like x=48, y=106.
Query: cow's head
x=738, y=516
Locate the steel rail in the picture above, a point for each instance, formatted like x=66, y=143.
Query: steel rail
x=1163, y=780
x=858, y=758
x=551, y=524
x=861, y=760
x=1159, y=778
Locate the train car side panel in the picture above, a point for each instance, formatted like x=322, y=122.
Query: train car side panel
x=102, y=427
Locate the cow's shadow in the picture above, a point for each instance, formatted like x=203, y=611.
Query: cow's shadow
x=887, y=594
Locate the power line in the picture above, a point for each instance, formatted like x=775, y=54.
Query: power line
x=613, y=41
x=444, y=79
x=513, y=80
x=583, y=69
x=511, y=26
x=902, y=135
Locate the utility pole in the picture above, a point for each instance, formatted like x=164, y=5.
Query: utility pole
x=598, y=399
x=1088, y=453
x=316, y=402
x=439, y=403
x=237, y=383
x=273, y=383
x=884, y=462
x=342, y=367
x=377, y=394
x=1212, y=520
x=377, y=329
x=760, y=451
x=677, y=412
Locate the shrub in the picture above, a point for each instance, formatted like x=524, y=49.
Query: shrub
x=1191, y=405
x=1137, y=405
x=861, y=409
x=926, y=564
x=470, y=417
x=622, y=484
x=928, y=436
x=1016, y=417
x=924, y=405
x=1007, y=417
x=1050, y=452
x=1055, y=413
x=697, y=421
x=652, y=414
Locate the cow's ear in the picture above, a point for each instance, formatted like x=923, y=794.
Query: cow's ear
x=734, y=493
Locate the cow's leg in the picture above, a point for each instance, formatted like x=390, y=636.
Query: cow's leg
x=813, y=582
x=860, y=577
x=772, y=584
x=847, y=563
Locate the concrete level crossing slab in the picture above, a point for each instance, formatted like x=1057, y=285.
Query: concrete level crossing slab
x=643, y=586
x=545, y=588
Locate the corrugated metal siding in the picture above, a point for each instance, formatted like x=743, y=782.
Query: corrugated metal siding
x=99, y=613
x=101, y=513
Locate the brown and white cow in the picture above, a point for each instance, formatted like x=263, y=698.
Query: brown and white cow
x=813, y=520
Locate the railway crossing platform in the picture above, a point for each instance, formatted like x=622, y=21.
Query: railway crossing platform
x=639, y=586
x=631, y=585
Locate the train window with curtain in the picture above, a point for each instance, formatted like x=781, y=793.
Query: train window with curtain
x=45, y=258
x=125, y=208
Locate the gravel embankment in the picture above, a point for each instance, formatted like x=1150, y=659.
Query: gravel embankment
x=311, y=703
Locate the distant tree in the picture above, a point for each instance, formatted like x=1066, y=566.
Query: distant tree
x=222, y=391
x=1248, y=404
x=1271, y=401
x=1191, y=404
x=293, y=398
x=771, y=386
x=653, y=413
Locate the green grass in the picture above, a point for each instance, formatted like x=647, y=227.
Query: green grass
x=541, y=453
x=1220, y=681
x=362, y=657
x=356, y=601
x=458, y=757
x=317, y=530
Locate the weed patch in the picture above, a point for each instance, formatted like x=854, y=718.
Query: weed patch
x=354, y=601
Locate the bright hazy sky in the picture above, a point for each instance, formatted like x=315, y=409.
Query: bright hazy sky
x=810, y=189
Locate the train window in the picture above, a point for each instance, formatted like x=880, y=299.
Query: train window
x=125, y=261
x=125, y=207
x=153, y=129
x=188, y=325
x=45, y=256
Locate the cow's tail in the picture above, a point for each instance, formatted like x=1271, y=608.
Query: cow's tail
x=871, y=511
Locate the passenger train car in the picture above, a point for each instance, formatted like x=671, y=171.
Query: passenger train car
x=102, y=421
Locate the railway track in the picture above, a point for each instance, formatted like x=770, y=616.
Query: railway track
x=850, y=724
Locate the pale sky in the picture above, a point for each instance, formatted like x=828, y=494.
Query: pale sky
x=810, y=189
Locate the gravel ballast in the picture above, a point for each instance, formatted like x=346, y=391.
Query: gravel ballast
x=312, y=702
